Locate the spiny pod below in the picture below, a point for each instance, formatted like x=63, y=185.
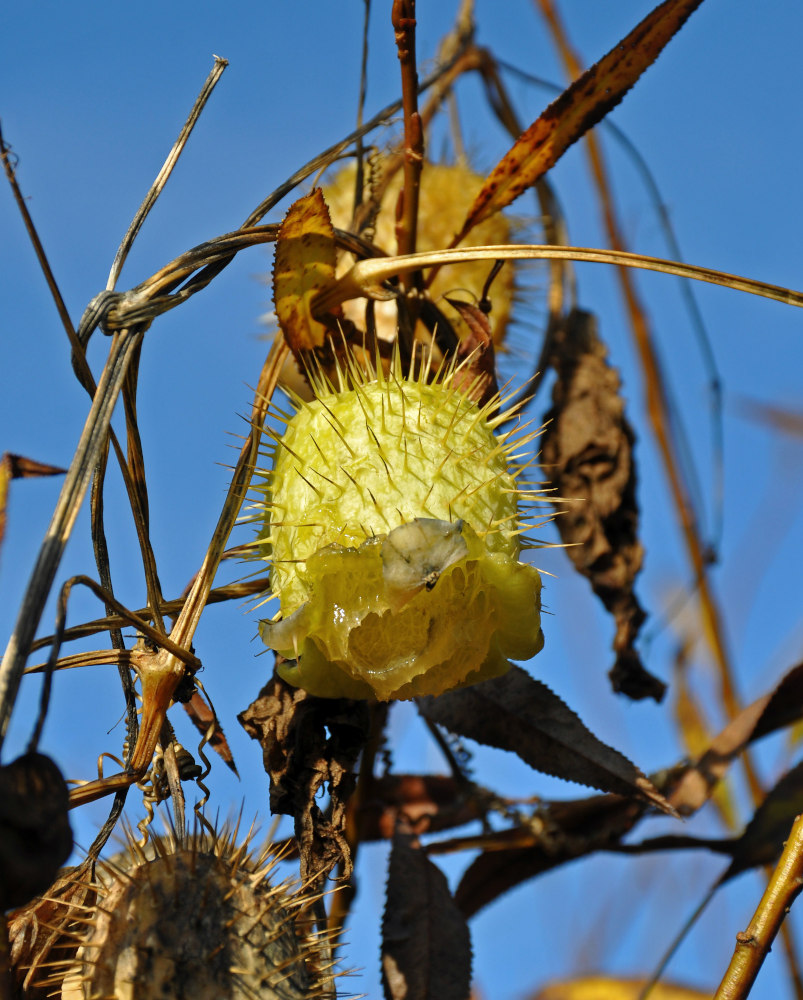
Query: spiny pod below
x=192, y=921
x=392, y=518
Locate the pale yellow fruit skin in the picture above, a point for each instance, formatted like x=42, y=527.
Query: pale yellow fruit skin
x=350, y=469
x=445, y=196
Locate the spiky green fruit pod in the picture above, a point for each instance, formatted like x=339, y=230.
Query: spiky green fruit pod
x=198, y=921
x=392, y=525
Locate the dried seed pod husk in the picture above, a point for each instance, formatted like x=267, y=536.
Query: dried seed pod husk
x=446, y=192
x=191, y=920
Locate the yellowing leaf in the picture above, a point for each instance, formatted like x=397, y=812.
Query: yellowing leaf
x=578, y=109
x=305, y=263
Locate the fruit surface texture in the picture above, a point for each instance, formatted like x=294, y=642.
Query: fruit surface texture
x=392, y=527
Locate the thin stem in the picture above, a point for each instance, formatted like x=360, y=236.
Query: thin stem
x=366, y=275
x=753, y=944
x=403, y=18
x=39, y=250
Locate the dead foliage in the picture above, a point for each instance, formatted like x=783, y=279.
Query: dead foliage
x=308, y=744
x=587, y=453
x=426, y=948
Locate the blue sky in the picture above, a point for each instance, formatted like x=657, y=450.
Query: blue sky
x=92, y=96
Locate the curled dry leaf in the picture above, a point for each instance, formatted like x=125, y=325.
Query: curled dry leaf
x=35, y=834
x=567, y=830
x=517, y=713
x=587, y=453
x=300, y=758
x=476, y=376
x=580, y=107
x=305, y=262
x=426, y=946
x=202, y=716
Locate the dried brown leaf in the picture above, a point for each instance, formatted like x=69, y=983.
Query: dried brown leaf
x=202, y=716
x=571, y=830
x=300, y=758
x=426, y=802
x=580, y=107
x=35, y=834
x=426, y=946
x=517, y=713
x=772, y=711
x=587, y=453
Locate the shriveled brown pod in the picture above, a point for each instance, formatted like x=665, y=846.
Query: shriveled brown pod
x=198, y=920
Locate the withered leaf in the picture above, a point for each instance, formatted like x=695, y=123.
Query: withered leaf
x=765, y=834
x=305, y=262
x=517, y=713
x=476, y=374
x=426, y=946
x=427, y=803
x=587, y=453
x=35, y=834
x=300, y=758
x=578, y=109
x=570, y=830
x=772, y=711
x=202, y=716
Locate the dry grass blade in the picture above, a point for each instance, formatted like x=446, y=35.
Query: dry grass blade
x=17, y=467
x=167, y=168
x=579, y=108
x=165, y=670
x=93, y=440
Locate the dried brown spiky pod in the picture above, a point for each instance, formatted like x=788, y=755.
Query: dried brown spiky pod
x=196, y=918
